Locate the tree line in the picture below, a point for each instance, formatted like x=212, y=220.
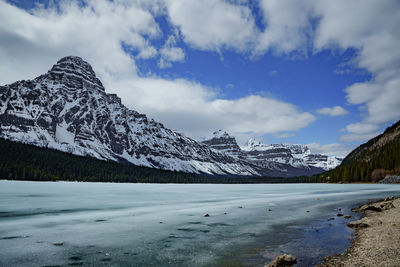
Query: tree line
x=28, y=162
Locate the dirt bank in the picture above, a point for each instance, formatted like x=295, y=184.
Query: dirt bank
x=377, y=237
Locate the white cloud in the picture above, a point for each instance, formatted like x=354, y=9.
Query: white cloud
x=213, y=24
x=195, y=109
x=334, y=111
x=374, y=33
x=288, y=26
x=31, y=42
x=163, y=64
x=147, y=53
x=356, y=137
x=170, y=53
x=334, y=149
x=361, y=128
x=285, y=135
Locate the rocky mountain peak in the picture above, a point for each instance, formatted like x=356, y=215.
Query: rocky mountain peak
x=76, y=70
x=223, y=142
x=251, y=144
x=221, y=134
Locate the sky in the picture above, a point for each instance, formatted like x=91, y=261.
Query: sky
x=315, y=72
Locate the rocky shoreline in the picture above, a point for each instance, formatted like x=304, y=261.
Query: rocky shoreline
x=377, y=237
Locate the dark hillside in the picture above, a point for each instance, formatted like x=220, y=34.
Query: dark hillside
x=370, y=161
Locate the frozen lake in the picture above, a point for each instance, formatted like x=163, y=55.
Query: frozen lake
x=96, y=224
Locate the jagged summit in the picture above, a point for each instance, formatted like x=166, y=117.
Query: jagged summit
x=75, y=70
x=223, y=142
x=221, y=134
x=251, y=144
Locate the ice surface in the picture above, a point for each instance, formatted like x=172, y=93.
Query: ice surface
x=61, y=223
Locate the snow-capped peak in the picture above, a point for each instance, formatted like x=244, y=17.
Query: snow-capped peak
x=252, y=145
x=293, y=154
x=221, y=134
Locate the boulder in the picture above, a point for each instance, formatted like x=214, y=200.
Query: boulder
x=386, y=205
x=285, y=260
x=357, y=224
x=390, y=179
x=389, y=198
x=348, y=216
x=371, y=207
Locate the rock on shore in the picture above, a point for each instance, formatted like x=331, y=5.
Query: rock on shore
x=392, y=179
x=285, y=260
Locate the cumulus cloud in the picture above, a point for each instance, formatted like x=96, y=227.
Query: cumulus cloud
x=334, y=111
x=198, y=110
x=287, y=27
x=213, y=24
x=374, y=33
x=360, y=131
x=31, y=42
x=334, y=149
x=147, y=53
x=170, y=53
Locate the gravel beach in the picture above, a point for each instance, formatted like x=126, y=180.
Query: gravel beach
x=377, y=237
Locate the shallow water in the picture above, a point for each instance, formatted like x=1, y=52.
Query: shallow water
x=96, y=224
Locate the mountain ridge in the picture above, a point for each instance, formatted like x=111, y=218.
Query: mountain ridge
x=273, y=156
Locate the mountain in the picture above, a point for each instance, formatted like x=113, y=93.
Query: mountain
x=68, y=109
x=380, y=155
x=224, y=143
x=289, y=160
x=296, y=155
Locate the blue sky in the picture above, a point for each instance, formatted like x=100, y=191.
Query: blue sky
x=308, y=72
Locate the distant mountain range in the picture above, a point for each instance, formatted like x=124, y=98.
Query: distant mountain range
x=68, y=109
x=286, y=158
